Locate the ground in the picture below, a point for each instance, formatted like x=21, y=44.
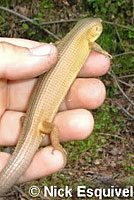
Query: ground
x=107, y=157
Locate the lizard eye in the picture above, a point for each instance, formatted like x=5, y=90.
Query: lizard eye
x=97, y=29
x=95, y=32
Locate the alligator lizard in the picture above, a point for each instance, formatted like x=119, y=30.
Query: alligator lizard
x=48, y=94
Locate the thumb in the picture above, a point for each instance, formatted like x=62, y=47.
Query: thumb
x=21, y=63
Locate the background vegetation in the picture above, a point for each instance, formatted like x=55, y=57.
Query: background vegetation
x=107, y=157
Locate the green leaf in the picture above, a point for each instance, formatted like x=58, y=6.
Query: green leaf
x=131, y=34
x=25, y=26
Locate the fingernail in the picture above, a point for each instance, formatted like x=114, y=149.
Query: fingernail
x=41, y=50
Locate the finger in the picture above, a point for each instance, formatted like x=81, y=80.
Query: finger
x=48, y=163
x=21, y=42
x=73, y=125
x=10, y=128
x=84, y=93
x=20, y=62
x=19, y=93
x=15, y=92
x=3, y=95
x=97, y=64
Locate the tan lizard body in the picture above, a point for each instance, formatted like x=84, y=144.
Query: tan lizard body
x=49, y=92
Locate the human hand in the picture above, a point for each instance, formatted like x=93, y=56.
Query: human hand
x=18, y=63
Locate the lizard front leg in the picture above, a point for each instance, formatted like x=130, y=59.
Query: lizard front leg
x=96, y=47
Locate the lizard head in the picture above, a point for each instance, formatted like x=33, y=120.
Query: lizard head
x=90, y=28
x=95, y=29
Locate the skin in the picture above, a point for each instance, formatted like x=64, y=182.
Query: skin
x=20, y=62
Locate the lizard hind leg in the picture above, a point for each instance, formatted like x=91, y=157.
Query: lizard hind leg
x=52, y=130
